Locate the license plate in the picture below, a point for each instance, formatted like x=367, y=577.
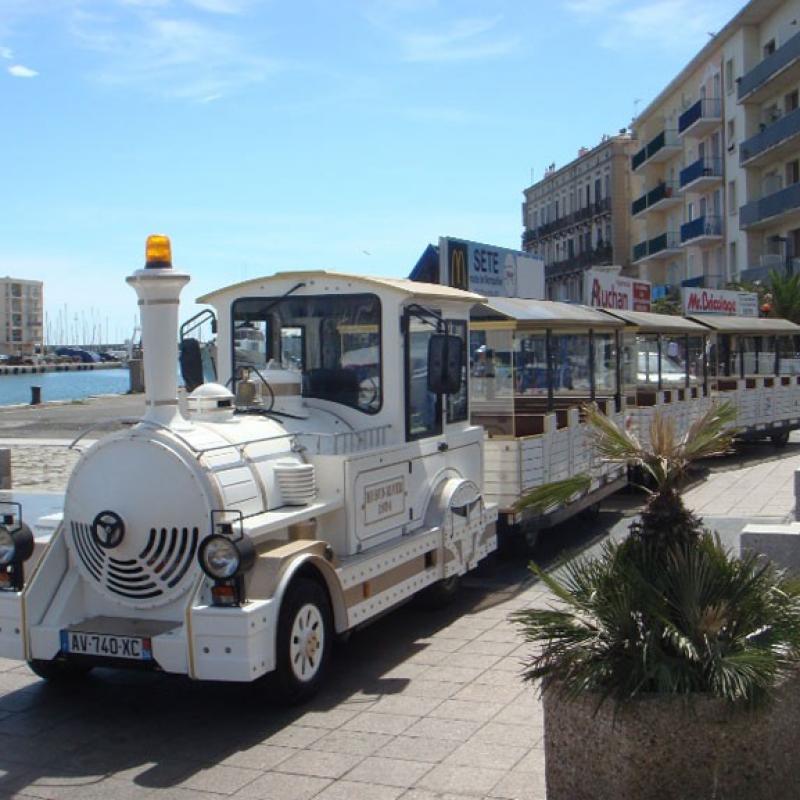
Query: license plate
x=107, y=645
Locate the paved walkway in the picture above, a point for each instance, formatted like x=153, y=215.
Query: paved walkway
x=420, y=706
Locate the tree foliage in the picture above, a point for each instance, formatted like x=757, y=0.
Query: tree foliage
x=668, y=610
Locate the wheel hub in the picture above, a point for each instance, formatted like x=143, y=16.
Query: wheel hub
x=307, y=642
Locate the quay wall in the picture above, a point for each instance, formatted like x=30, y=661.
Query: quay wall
x=42, y=368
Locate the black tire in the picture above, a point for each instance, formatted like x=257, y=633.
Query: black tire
x=59, y=672
x=440, y=594
x=780, y=439
x=301, y=666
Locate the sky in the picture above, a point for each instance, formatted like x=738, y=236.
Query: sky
x=266, y=135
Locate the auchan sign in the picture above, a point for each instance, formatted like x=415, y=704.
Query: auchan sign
x=720, y=301
x=609, y=290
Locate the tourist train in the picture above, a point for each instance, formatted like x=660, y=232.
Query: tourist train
x=365, y=446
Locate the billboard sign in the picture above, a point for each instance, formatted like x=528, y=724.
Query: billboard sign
x=489, y=270
x=697, y=300
x=608, y=289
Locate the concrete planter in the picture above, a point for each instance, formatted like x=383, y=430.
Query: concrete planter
x=664, y=749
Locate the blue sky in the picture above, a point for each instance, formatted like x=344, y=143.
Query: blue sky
x=266, y=136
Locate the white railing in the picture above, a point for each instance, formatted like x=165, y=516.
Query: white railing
x=344, y=442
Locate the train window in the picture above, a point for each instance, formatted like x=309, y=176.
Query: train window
x=457, y=409
x=333, y=340
x=423, y=407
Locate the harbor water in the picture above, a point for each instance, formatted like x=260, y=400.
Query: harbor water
x=16, y=389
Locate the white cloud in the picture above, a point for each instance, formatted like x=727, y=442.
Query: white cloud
x=18, y=71
x=220, y=6
x=172, y=56
x=463, y=40
x=5, y=52
x=681, y=25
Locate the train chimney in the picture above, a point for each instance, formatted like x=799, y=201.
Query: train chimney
x=159, y=286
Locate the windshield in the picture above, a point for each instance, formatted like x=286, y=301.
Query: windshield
x=333, y=340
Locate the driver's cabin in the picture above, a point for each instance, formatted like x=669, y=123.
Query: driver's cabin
x=378, y=354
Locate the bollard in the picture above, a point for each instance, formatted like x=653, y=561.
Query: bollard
x=136, y=372
x=5, y=469
x=36, y=395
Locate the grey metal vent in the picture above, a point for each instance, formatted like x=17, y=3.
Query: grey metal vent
x=160, y=566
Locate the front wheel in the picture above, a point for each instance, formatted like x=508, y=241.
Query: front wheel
x=305, y=636
x=780, y=439
x=60, y=672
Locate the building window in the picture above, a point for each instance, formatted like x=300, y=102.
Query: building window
x=769, y=48
x=732, y=208
x=733, y=272
x=729, y=76
x=793, y=172
x=731, y=134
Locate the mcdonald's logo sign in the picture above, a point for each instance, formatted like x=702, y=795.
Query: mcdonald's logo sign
x=458, y=266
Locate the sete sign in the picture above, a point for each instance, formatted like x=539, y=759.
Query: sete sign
x=489, y=270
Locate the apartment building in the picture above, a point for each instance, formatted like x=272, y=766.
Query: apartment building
x=21, y=316
x=716, y=183
x=577, y=217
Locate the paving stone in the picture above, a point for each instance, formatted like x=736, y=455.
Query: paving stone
x=442, y=644
x=451, y=729
x=351, y=790
x=486, y=692
x=482, y=647
x=406, y=705
x=449, y=673
x=220, y=779
x=460, y=779
x=418, y=748
x=432, y=689
x=295, y=736
x=330, y=719
x=369, y=722
x=466, y=710
x=477, y=753
x=520, y=786
x=319, y=763
x=353, y=742
x=424, y=794
x=282, y=786
x=389, y=771
x=501, y=733
x=260, y=756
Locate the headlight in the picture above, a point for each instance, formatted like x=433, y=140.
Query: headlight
x=222, y=557
x=7, y=547
x=219, y=557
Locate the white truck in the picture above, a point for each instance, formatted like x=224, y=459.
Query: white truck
x=331, y=474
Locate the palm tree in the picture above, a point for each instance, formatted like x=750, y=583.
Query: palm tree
x=785, y=291
x=667, y=610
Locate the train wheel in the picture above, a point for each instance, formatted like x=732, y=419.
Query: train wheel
x=441, y=593
x=780, y=439
x=59, y=671
x=305, y=637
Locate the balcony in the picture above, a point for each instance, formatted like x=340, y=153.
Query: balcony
x=660, y=148
x=777, y=71
x=703, y=231
x=773, y=142
x=701, y=118
x=600, y=256
x=663, y=246
x=769, y=263
x=639, y=205
x=701, y=175
x=640, y=251
x=763, y=212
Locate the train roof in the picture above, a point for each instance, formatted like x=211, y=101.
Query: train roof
x=650, y=322
x=753, y=326
x=524, y=313
x=424, y=291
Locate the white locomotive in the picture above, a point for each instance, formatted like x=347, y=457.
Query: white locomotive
x=338, y=475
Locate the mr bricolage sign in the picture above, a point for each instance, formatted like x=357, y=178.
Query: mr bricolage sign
x=719, y=301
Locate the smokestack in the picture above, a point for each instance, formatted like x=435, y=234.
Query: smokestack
x=158, y=287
